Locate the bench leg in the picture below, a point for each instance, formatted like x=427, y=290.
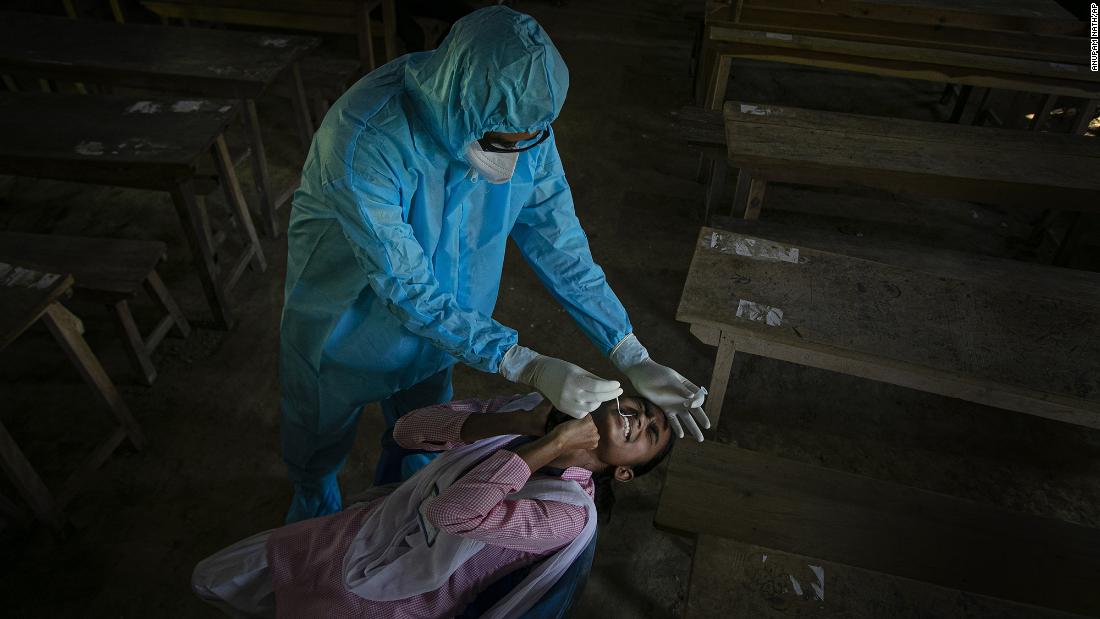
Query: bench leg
x=235, y=198
x=66, y=329
x=301, y=107
x=1085, y=114
x=720, y=378
x=260, y=171
x=202, y=252
x=28, y=483
x=157, y=291
x=135, y=344
x=717, y=82
x=755, y=198
x=748, y=197
x=948, y=94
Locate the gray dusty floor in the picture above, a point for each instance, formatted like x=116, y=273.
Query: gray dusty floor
x=212, y=474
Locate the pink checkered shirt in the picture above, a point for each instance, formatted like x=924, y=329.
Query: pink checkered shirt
x=306, y=558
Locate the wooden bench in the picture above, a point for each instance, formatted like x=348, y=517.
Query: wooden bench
x=720, y=491
x=210, y=63
x=27, y=296
x=958, y=327
x=109, y=271
x=725, y=42
x=1011, y=168
x=334, y=16
x=145, y=142
x=1038, y=29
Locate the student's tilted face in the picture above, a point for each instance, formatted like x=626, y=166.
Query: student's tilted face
x=633, y=438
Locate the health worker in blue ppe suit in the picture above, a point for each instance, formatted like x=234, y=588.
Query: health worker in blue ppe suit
x=413, y=184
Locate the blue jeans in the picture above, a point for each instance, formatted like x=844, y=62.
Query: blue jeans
x=436, y=389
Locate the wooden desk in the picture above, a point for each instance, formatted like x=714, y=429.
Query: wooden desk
x=982, y=68
x=27, y=296
x=336, y=16
x=1039, y=29
x=991, y=332
x=721, y=491
x=1013, y=168
x=234, y=65
x=147, y=143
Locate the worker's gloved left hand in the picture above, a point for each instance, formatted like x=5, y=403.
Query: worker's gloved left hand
x=665, y=387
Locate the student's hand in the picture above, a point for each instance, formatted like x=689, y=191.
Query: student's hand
x=533, y=422
x=576, y=434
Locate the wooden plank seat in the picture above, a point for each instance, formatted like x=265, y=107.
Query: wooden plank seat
x=27, y=296
x=355, y=17
x=144, y=142
x=205, y=62
x=1012, y=168
x=724, y=43
x=109, y=271
x=718, y=490
x=959, y=331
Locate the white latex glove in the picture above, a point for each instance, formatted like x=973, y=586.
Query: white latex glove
x=665, y=387
x=570, y=388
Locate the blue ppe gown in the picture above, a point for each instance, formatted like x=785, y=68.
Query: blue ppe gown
x=396, y=246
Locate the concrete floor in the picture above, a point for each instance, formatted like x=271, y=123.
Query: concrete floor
x=212, y=473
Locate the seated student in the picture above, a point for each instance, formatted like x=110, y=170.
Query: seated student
x=492, y=504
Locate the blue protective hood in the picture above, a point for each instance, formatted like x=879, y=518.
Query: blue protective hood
x=497, y=70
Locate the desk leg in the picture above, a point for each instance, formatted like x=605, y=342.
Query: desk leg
x=1085, y=114
x=260, y=170
x=66, y=329
x=960, y=103
x=968, y=109
x=301, y=107
x=1043, y=113
x=703, y=70
x=28, y=483
x=720, y=378
x=365, y=39
x=235, y=198
x=716, y=183
x=717, y=82
x=389, y=26
x=202, y=252
x=1070, y=241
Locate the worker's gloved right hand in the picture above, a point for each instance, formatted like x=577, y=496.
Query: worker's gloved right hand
x=571, y=389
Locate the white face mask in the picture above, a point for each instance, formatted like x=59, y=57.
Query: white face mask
x=496, y=168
